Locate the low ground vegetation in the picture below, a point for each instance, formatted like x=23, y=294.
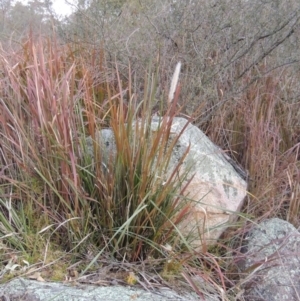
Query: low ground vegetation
x=61, y=212
x=65, y=215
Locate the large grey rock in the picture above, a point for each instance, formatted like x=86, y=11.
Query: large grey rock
x=272, y=262
x=216, y=191
x=28, y=290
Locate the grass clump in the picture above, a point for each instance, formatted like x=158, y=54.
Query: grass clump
x=139, y=199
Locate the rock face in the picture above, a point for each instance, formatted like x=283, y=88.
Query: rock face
x=272, y=262
x=29, y=290
x=216, y=191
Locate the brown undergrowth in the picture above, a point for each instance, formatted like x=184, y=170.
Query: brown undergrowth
x=118, y=217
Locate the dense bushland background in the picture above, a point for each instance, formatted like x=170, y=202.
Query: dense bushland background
x=62, y=79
